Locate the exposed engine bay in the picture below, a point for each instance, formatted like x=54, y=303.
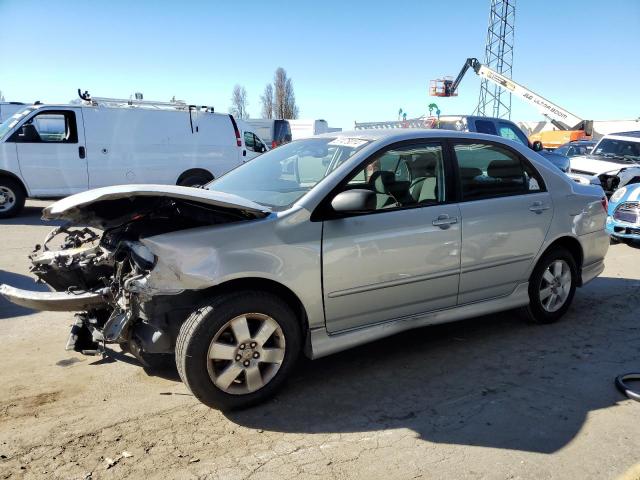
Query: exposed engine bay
x=102, y=268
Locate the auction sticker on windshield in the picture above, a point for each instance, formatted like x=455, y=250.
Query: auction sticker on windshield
x=348, y=142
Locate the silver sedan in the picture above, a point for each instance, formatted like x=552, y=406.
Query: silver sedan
x=315, y=247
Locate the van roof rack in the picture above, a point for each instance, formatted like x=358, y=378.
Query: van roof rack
x=135, y=102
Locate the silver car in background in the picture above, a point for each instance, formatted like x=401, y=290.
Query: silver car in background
x=315, y=247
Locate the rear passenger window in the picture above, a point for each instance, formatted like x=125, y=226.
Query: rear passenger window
x=488, y=170
x=484, y=126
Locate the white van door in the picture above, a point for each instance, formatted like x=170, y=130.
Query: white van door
x=51, y=152
x=253, y=146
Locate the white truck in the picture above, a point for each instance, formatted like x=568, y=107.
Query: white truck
x=50, y=151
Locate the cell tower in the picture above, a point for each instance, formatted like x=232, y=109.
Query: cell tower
x=498, y=55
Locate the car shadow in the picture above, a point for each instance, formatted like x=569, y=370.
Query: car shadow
x=494, y=381
x=30, y=215
x=8, y=309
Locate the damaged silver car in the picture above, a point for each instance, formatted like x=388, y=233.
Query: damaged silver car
x=315, y=247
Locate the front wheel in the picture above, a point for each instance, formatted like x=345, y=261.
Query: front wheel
x=552, y=286
x=12, y=198
x=237, y=350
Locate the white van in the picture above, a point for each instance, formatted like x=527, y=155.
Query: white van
x=9, y=108
x=49, y=151
x=307, y=128
x=273, y=131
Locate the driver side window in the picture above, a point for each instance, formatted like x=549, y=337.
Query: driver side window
x=48, y=127
x=404, y=176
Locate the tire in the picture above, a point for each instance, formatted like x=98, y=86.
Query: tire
x=230, y=382
x=544, y=309
x=196, y=179
x=12, y=198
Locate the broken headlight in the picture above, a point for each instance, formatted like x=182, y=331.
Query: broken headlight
x=141, y=256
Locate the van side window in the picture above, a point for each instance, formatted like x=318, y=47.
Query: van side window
x=48, y=127
x=488, y=170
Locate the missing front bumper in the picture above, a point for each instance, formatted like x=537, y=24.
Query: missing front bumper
x=54, y=301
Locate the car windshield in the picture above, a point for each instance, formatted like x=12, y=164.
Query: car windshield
x=12, y=121
x=280, y=177
x=618, y=150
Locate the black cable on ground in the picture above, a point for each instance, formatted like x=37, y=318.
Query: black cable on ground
x=624, y=388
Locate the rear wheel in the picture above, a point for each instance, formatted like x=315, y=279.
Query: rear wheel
x=552, y=286
x=238, y=349
x=12, y=198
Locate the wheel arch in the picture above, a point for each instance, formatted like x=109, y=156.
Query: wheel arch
x=195, y=171
x=266, y=285
x=574, y=247
x=13, y=176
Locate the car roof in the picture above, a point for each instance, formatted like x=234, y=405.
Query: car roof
x=399, y=134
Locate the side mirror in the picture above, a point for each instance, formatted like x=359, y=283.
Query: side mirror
x=537, y=146
x=356, y=200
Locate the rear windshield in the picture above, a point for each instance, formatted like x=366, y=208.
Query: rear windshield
x=281, y=131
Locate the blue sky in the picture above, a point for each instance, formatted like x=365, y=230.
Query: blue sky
x=348, y=60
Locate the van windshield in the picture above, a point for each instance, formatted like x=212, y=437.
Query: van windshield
x=281, y=176
x=13, y=120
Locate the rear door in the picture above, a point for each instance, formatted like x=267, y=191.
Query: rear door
x=403, y=258
x=51, y=152
x=506, y=212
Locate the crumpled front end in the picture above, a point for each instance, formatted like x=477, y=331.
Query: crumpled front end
x=124, y=293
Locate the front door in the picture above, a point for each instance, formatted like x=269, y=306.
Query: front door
x=402, y=258
x=51, y=152
x=506, y=212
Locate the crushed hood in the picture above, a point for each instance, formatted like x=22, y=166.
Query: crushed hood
x=112, y=206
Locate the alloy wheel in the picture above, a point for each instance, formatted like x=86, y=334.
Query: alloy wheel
x=246, y=353
x=555, y=285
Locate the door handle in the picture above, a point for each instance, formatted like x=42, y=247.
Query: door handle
x=444, y=221
x=82, y=152
x=538, y=207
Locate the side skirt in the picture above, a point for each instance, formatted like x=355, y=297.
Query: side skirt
x=323, y=343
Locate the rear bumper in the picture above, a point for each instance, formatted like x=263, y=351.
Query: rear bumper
x=53, y=301
x=589, y=272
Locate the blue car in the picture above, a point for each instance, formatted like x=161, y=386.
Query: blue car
x=623, y=214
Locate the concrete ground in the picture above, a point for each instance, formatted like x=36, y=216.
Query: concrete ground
x=491, y=397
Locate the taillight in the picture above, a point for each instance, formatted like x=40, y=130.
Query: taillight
x=235, y=129
x=605, y=203
x=274, y=144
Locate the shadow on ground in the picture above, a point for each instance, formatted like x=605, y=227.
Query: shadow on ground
x=493, y=381
x=8, y=309
x=30, y=215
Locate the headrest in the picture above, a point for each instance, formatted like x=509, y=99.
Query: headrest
x=504, y=169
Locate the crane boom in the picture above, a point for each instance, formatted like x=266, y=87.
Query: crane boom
x=560, y=117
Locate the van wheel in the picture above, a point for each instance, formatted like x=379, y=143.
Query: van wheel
x=552, y=286
x=12, y=198
x=194, y=179
x=238, y=349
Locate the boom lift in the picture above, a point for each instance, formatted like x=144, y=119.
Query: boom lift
x=570, y=127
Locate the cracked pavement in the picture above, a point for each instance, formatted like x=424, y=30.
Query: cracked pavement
x=491, y=397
